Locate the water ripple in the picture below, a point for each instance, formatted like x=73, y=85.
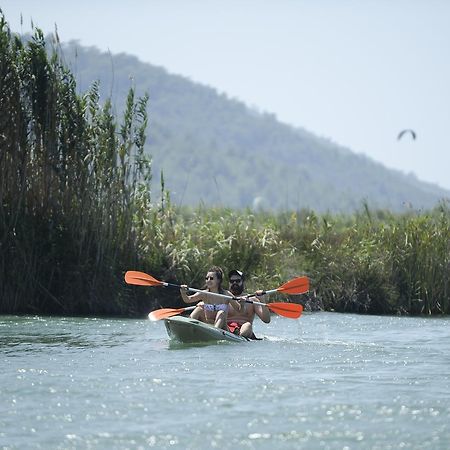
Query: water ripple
x=326, y=381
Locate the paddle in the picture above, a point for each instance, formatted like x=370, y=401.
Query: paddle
x=290, y=310
x=165, y=313
x=143, y=279
x=298, y=285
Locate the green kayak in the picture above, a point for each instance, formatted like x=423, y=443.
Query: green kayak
x=186, y=330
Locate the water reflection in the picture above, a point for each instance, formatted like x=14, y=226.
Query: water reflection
x=42, y=334
x=40, y=343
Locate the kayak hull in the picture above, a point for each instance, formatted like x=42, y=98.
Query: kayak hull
x=187, y=330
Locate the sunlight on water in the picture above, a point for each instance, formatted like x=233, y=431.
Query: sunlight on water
x=325, y=381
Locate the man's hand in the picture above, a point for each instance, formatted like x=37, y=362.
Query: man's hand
x=260, y=295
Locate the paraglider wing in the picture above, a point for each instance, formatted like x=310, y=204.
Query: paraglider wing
x=403, y=132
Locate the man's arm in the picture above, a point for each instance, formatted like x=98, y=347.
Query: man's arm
x=262, y=311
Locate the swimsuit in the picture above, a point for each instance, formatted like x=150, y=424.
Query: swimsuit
x=213, y=307
x=235, y=328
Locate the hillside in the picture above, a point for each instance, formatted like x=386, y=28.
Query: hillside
x=217, y=151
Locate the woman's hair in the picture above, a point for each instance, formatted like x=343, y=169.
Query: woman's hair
x=219, y=274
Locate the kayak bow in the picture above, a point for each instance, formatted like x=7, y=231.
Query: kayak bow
x=187, y=330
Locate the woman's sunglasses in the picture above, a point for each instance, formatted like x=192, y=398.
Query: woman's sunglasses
x=210, y=278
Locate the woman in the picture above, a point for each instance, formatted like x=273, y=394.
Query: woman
x=211, y=309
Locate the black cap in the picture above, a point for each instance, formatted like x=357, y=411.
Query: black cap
x=235, y=272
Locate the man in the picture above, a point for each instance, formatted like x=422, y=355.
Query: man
x=240, y=322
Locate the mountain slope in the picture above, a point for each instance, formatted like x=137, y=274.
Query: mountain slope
x=217, y=151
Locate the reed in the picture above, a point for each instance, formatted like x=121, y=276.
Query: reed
x=376, y=262
x=68, y=185
x=418, y=250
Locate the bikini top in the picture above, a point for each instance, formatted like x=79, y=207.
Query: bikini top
x=218, y=307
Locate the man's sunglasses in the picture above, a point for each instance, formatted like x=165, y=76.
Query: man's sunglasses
x=236, y=281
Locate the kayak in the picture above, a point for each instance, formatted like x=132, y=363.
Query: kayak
x=186, y=330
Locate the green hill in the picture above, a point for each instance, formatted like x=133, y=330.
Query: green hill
x=217, y=151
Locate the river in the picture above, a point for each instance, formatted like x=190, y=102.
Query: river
x=324, y=381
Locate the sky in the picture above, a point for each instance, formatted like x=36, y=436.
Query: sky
x=356, y=72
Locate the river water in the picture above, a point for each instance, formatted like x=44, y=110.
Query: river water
x=324, y=381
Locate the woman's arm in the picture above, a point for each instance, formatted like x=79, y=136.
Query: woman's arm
x=189, y=298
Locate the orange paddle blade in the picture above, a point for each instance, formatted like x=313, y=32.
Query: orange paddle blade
x=291, y=310
x=298, y=285
x=141, y=279
x=165, y=313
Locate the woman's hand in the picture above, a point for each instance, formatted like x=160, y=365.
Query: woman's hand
x=184, y=288
x=184, y=293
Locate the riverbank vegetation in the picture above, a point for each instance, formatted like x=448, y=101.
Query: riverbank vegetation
x=76, y=212
x=371, y=262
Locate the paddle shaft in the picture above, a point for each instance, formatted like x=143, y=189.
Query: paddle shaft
x=228, y=297
x=253, y=302
x=188, y=308
x=272, y=291
x=231, y=297
x=214, y=294
x=299, y=285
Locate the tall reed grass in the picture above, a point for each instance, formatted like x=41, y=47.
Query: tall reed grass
x=376, y=262
x=70, y=178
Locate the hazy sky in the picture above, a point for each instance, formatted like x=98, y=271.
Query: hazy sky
x=354, y=71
